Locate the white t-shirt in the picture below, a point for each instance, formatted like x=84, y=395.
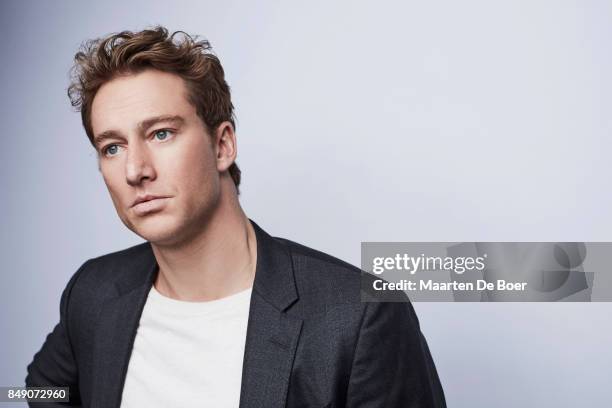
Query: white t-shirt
x=188, y=354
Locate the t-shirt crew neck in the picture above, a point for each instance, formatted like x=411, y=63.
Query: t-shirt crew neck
x=188, y=354
x=223, y=306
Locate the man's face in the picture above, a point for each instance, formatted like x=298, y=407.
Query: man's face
x=155, y=155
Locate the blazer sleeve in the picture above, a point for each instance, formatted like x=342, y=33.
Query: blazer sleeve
x=392, y=366
x=55, y=364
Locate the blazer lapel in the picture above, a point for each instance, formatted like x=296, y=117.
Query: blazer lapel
x=272, y=336
x=116, y=330
x=270, y=347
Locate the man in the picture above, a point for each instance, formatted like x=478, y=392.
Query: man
x=211, y=310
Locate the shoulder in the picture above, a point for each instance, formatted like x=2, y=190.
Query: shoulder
x=331, y=279
x=129, y=261
x=335, y=297
x=99, y=277
x=304, y=253
x=318, y=274
x=127, y=264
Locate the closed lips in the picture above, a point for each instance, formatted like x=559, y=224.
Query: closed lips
x=144, y=199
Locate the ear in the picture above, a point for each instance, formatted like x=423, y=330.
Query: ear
x=225, y=146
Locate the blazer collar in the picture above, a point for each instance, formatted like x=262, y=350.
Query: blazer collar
x=274, y=277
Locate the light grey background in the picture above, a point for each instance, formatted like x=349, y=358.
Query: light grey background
x=409, y=121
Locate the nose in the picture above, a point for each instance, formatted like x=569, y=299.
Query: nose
x=138, y=166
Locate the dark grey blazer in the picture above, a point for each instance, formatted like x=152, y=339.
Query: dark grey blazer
x=310, y=341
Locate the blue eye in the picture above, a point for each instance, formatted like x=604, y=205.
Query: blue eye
x=111, y=150
x=161, y=134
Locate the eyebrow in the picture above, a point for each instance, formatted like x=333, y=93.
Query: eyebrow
x=142, y=126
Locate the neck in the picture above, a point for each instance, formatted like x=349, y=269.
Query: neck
x=218, y=262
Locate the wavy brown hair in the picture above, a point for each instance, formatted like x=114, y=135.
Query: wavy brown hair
x=100, y=60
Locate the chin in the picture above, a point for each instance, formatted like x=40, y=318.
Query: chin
x=158, y=231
